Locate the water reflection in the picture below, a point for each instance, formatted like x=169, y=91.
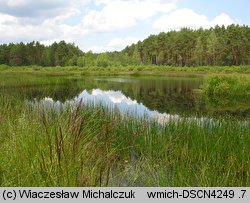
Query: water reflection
x=116, y=100
x=169, y=95
x=113, y=100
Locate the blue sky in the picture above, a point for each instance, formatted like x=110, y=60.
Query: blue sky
x=108, y=25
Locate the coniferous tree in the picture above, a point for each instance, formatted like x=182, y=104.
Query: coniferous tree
x=215, y=46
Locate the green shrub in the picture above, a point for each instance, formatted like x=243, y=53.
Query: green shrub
x=227, y=85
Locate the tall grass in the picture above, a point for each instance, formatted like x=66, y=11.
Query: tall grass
x=86, y=146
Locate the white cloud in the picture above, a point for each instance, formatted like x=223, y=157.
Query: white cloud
x=180, y=18
x=12, y=29
x=223, y=19
x=44, y=20
x=71, y=20
x=122, y=14
x=119, y=43
x=115, y=44
x=7, y=19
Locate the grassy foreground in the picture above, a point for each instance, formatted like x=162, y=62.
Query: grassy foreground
x=87, y=146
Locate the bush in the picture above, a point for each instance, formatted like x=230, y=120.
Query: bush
x=4, y=67
x=226, y=90
x=227, y=85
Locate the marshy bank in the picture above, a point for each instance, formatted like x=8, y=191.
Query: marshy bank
x=88, y=146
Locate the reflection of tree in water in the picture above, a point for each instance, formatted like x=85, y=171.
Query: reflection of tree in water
x=175, y=96
x=166, y=96
x=171, y=95
x=58, y=91
x=228, y=105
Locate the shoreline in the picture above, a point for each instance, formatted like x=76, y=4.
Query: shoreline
x=130, y=71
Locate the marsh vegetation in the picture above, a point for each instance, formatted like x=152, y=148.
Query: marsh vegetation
x=86, y=143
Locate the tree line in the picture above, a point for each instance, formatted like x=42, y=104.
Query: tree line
x=203, y=47
x=34, y=53
x=218, y=46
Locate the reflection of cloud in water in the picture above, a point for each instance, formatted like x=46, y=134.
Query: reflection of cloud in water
x=117, y=100
x=114, y=96
x=48, y=103
x=113, y=100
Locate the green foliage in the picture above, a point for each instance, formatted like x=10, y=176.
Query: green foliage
x=227, y=85
x=102, y=60
x=87, y=60
x=227, y=91
x=58, y=54
x=218, y=46
x=156, y=70
x=4, y=67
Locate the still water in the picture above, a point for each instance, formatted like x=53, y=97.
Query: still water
x=160, y=98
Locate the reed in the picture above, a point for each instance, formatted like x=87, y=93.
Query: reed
x=86, y=146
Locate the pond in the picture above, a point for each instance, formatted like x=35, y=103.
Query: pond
x=200, y=137
x=149, y=95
